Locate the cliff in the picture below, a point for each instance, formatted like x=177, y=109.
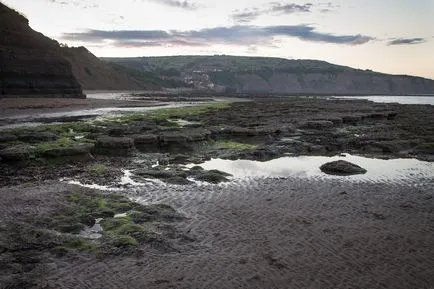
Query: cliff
x=95, y=74
x=30, y=63
x=276, y=75
x=334, y=83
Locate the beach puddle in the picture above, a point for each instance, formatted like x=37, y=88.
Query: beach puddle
x=92, y=186
x=94, y=232
x=308, y=167
x=183, y=122
x=125, y=183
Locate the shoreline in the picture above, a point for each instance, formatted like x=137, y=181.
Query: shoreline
x=13, y=107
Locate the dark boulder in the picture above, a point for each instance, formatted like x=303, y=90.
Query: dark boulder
x=351, y=119
x=317, y=124
x=178, y=180
x=17, y=153
x=342, y=168
x=145, y=139
x=197, y=134
x=172, y=137
x=118, y=146
x=335, y=120
x=116, y=131
x=35, y=137
x=236, y=131
x=212, y=176
x=6, y=137
x=177, y=177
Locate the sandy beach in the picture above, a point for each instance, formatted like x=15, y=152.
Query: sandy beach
x=259, y=233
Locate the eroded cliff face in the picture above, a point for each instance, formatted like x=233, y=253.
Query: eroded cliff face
x=30, y=63
x=95, y=74
x=335, y=83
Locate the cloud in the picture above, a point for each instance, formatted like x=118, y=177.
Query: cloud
x=328, y=7
x=274, y=8
x=406, y=41
x=241, y=35
x=98, y=35
x=246, y=15
x=187, y=5
x=78, y=3
x=289, y=8
x=308, y=33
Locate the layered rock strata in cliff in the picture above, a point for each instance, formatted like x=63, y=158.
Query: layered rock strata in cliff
x=30, y=63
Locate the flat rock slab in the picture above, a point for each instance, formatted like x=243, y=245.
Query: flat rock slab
x=342, y=168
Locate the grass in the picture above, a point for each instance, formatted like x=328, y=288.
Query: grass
x=228, y=144
x=112, y=224
x=123, y=232
x=80, y=244
x=97, y=169
x=124, y=241
x=62, y=142
x=76, y=243
x=138, y=226
x=168, y=113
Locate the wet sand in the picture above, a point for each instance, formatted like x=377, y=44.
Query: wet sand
x=13, y=107
x=261, y=233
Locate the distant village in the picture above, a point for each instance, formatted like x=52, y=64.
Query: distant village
x=199, y=79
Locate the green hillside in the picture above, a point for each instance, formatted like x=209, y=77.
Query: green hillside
x=243, y=74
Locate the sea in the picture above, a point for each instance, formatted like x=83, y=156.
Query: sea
x=402, y=99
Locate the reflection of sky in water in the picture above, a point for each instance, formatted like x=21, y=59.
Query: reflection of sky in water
x=308, y=166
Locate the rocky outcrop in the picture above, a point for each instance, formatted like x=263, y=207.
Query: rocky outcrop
x=30, y=63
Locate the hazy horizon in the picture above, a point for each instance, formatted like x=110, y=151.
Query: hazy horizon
x=394, y=37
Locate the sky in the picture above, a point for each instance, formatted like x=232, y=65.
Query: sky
x=390, y=36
